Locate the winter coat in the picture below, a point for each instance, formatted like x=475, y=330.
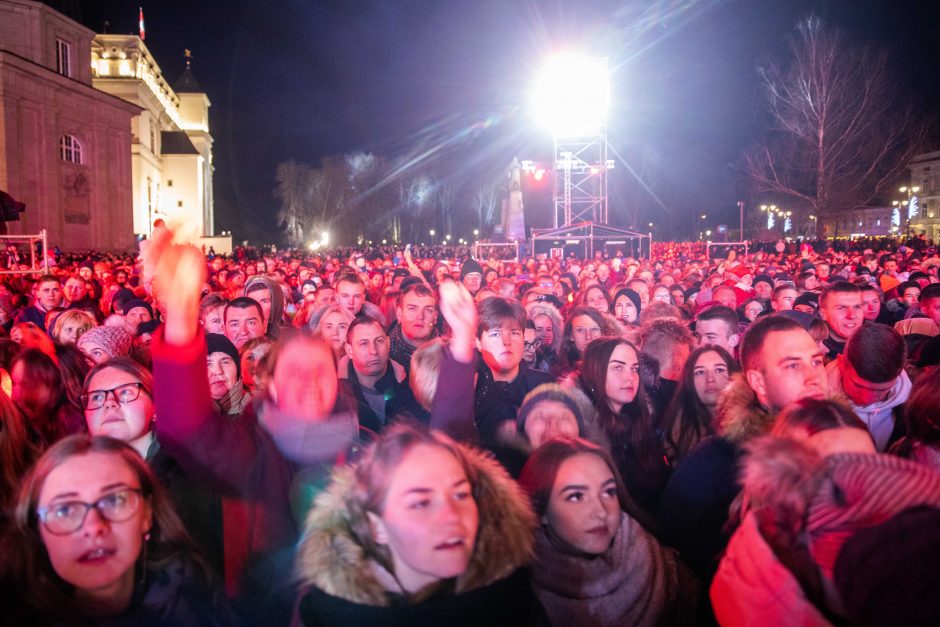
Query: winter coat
x=497, y=402
x=880, y=417
x=809, y=506
x=341, y=586
x=695, y=502
x=272, y=475
x=751, y=582
x=171, y=597
x=399, y=400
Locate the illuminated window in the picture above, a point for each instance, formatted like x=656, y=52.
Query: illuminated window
x=70, y=149
x=63, y=57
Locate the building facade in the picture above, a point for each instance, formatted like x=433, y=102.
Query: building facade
x=64, y=145
x=867, y=222
x=925, y=174
x=171, y=149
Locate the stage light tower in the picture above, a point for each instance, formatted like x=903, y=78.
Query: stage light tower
x=571, y=99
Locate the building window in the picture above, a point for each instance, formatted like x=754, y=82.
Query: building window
x=70, y=149
x=63, y=57
x=169, y=182
x=179, y=203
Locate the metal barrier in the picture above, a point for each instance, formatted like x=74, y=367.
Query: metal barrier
x=30, y=240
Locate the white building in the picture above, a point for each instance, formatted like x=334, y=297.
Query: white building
x=925, y=174
x=171, y=150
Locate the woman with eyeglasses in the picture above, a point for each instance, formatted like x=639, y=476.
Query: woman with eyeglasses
x=118, y=402
x=96, y=541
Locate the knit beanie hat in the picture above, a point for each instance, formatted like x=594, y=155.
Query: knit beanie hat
x=134, y=303
x=218, y=343
x=548, y=392
x=470, y=265
x=762, y=278
x=808, y=298
x=116, y=341
x=632, y=295
x=120, y=297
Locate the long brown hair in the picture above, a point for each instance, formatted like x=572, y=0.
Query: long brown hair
x=686, y=420
x=16, y=451
x=26, y=554
x=633, y=425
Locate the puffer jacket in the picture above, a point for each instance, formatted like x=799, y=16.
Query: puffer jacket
x=341, y=587
x=803, y=507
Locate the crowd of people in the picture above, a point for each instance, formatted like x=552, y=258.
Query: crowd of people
x=397, y=437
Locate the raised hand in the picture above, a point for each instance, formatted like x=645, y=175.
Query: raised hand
x=178, y=273
x=460, y=312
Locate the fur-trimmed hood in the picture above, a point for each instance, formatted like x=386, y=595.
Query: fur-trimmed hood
x=330, y=557
x=740, y=415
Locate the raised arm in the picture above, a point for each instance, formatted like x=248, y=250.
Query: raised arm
x=209, y=446
x=452, y=408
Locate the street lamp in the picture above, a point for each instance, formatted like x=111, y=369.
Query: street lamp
x=476, y=232
x=431, y=232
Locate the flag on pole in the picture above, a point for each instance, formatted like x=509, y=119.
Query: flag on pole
x=140, y=22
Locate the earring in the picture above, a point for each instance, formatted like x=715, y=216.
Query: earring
x=147, y=537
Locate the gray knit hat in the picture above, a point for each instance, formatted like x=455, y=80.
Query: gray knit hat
x=549, y=392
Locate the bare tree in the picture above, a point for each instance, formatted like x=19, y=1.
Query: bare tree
x=840, y=132
x=293, y=190
x=486, y=197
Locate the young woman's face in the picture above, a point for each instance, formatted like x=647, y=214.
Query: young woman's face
x=583, y=331
x=623, y=377
x=124, y=421
x=333, y=327
x=595, y=298
x=98, y=558
x=549, y=419
x=711, y=377
x=430, y=518
x=583, y=509
x=625, y=310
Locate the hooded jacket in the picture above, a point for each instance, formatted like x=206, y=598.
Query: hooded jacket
x=276, y=317
x=343, y=588
x=809, y=506
x=879, y=417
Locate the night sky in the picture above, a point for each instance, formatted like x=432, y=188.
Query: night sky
x=302, y=79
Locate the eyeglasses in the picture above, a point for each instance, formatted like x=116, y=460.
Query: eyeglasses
x=533, y=344
x=123, y=394
x=68, y=517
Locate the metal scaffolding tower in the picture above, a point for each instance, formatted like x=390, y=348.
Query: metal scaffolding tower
x=580, y=173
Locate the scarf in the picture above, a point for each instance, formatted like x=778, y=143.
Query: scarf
x=630, y=584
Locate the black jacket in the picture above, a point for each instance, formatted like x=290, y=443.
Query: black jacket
x=496, y=402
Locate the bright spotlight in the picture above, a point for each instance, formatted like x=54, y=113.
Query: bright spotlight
x=572, y=94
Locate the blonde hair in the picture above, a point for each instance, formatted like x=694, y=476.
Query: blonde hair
x=81, y=317
x=425, y=371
